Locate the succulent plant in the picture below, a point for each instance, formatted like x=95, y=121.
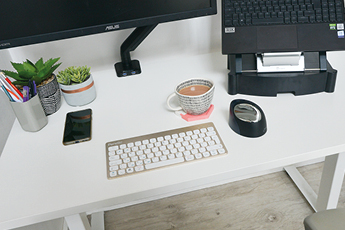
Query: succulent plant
x=63, y=78
x=37, y=72
x=73, y=75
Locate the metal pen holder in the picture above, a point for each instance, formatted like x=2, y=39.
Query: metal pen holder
x=30, y=114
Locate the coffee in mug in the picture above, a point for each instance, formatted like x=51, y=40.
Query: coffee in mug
x=194, y=96
x=194, y=90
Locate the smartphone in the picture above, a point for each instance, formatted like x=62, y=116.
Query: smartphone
x=77, y=127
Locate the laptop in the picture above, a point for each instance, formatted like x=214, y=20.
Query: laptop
x=250, y=26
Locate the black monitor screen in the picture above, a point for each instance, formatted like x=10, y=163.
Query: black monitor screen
x=35, y=21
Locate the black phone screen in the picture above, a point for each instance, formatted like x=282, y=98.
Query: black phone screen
x=77, y=127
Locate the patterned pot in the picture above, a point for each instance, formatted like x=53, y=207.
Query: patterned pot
x=50, y=95
x=79, y=94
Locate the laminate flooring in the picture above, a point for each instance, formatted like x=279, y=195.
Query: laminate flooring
x=266, y=202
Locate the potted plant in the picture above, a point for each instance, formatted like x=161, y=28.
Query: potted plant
x=42, y=73
x=77, y=85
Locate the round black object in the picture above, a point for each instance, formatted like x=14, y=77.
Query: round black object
x=247, y=118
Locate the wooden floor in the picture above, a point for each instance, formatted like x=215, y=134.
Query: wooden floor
x=267, y=202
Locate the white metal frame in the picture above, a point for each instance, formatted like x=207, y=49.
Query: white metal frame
x=330, y=184
x=327, y=197
x=80, y=221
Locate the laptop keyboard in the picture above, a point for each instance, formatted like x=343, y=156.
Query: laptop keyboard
x=158, y=150
x=270, y=12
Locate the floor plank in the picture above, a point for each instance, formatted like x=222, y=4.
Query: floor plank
x=266, y=202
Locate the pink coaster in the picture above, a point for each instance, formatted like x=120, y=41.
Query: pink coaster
x=205, y=115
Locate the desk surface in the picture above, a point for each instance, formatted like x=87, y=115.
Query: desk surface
x=41, y=179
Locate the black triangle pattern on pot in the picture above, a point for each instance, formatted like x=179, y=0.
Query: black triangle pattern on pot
x=48, y=89
x=52, y=103
x=50, y=96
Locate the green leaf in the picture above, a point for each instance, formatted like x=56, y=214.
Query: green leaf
x=55, y=67
x=11, y=74
x=22, y=70
x=20, y=83
x=18, y=66
x=51, y=62
x=37, y=80
x=47, y=71
x=26, y=75
x=39, y=64
x=29, y=67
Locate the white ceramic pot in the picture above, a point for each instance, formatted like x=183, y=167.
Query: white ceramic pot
x=79, y=94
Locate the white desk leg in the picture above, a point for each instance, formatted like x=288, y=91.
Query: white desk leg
x=302, y=185
x=78, y=222
x=331, y=182
x=97, y=221
x=330, y=185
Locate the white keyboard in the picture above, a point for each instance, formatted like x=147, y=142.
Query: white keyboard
x=143, y=153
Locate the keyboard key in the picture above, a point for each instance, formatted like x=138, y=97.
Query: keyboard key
x=117, y=162
x=139, y=168
x=198, y=156
x=263, y=21
x=189, y=157
x=114, y=168
x=175, y=136
x=303, y=19
x=213, y=152
x=214, y=147
x=221, y=151
x=153, y=140
x=113, y=174
x=129, y=170
x=122, y=172
x=164, y=163
x=210, y=129
x=206, y=154
x=113, y=148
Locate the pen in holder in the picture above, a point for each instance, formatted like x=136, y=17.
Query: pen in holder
x=30, y=114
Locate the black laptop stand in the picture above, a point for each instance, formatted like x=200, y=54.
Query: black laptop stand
x=243, y=78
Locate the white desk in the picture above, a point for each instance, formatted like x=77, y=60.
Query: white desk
x=40, y=179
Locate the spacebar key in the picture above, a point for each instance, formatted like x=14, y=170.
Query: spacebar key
x=164, y=163
x=264, y=21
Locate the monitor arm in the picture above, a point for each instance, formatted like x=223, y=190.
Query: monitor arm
x=127, y=66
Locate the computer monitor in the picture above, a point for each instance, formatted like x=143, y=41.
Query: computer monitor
x=33, y=21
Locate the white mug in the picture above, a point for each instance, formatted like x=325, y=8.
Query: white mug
x=194, y=95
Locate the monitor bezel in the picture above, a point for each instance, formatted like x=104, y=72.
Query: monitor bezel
x=109, y=27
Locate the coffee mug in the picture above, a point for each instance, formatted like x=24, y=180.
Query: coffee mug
x=194, y=95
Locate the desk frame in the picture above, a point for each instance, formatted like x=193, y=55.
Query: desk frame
x=327, y=197
x=330, y=184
